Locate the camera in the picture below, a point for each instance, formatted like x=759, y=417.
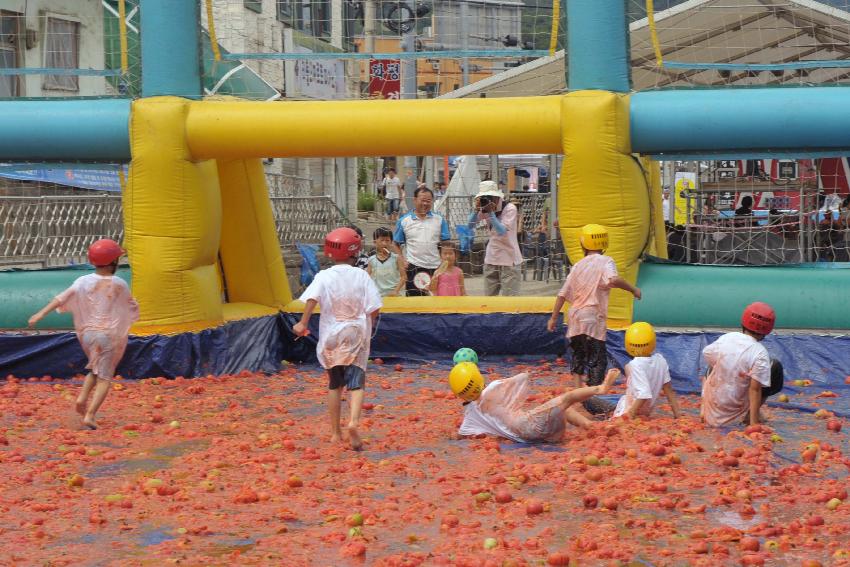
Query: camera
x=484, y=200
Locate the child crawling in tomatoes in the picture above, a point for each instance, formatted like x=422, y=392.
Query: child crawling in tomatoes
x=498, y=408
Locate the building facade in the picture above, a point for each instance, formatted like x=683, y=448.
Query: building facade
x=53, y=34
x=297, y=26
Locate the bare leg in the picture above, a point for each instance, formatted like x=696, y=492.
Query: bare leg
x=334, y=397
x=575, y=418
x=581, y=394
x=88, y=384
x=356, y=404
x=579, y=380
x=100, y=392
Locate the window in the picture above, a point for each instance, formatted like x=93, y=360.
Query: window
x=10, y=40
x=286, y=10
x=62, y=51
x=254, y=5
x=321, y=18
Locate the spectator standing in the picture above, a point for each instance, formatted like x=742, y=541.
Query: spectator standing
x=394, y=191
x=421, y=231
x=386, y=267
x=502, y=258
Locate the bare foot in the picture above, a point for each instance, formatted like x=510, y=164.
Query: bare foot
x=80, y=406
x=354, y=438
x=610, y=378
x=89, y=422
x=335, y=438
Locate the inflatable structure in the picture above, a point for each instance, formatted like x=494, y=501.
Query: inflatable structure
x=206, y=263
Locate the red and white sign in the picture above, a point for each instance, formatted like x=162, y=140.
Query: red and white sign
x=385, y=78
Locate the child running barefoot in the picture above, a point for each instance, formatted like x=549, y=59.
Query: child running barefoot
x=587, y=289
x=647, y=375
x=448, y=279
x=741, y=374
x=498, y=409
x=350, y=305
x=103, y=312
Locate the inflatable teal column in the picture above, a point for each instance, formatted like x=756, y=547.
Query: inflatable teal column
x=598, y=46
x=171, y=58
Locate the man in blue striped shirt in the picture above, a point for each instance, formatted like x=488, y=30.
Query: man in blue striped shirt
x=420, y=231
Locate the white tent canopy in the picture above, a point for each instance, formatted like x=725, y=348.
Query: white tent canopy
x=707, y=31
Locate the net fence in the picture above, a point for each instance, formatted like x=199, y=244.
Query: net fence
x=744, y=216
x=741, y=43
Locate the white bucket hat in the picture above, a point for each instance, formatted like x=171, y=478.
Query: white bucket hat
x=489, y=188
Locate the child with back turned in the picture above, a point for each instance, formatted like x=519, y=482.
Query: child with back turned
x=350, y=305
x=103, y=312
x=587, y=289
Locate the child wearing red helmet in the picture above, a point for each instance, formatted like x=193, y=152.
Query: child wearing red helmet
x=103, y=311
x=741, y=374
x=350, y=305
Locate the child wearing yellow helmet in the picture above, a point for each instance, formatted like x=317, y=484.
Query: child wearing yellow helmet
x=498, y=408
x=647, y=375
x=587, y=289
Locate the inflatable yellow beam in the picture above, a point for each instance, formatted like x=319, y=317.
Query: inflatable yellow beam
x=229, y=129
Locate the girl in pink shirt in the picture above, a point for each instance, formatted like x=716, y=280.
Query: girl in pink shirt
x=103, y=312
x=448, y=279
x=586, y=289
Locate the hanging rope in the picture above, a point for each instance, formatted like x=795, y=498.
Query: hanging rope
x=122, y=35
x=211, y=30
x=650, y=15
x=556, y=18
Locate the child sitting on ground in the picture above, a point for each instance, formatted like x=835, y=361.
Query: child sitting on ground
x=350, y=305
x=647, y=375
x=386, y=269
x=587, y=289
x=741, y=374
x=103, y=310
x=448, y=279
x=497, y=410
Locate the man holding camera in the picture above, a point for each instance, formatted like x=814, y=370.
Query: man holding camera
x=502, y=258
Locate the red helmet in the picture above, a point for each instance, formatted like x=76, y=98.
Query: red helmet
x=103, y=252
x=759, y=318
x=342, y=244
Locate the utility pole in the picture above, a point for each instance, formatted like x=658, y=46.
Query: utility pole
x=408, y=91
x=464, y=38
x=369, y=24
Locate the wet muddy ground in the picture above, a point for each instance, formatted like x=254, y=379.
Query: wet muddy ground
x=239, y=470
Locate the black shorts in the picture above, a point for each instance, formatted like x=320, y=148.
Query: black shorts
x=410, y=287
x=352, y=377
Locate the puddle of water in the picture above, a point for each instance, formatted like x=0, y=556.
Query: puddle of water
x=155, y=536
x=160, y=458
x=732, y=519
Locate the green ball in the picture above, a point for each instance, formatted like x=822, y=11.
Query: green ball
x=465, y=355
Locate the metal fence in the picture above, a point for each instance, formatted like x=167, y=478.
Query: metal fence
x=281, y=185
x=56, y=231
x=792, y=231
x=305, y=219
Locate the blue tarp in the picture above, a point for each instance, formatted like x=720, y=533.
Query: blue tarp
x=253, y=344
x=261, y=344
x=97, y=178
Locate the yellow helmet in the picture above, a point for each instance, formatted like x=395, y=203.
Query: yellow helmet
x=594, y=237
x=466, y=381
x=640, y=339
